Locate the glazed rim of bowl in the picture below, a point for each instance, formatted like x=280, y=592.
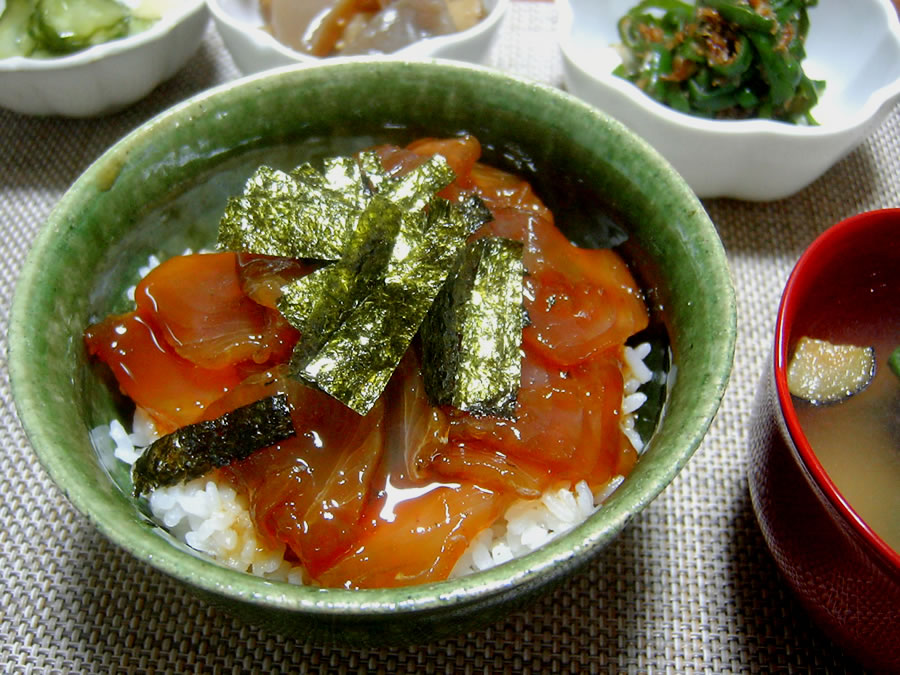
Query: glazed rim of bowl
x=114, y=513
x=739, y=128
x=166, y=23
x=818, y=256
x=420, y=47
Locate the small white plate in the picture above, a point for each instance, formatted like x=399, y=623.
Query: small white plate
x=108, y=76
x=253, y=49
x=853, y=46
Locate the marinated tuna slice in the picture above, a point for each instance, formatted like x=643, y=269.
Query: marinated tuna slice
x=308, y=491
x=483, y=464
x=415, y=535
x=262, y=277
x=212, y=322
x=567, y=421
x=172, y=390
x=579, y=301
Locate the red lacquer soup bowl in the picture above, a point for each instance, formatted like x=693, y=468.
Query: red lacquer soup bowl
x=845, y=573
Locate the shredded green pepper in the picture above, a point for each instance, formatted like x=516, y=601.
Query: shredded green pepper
x=730, y=59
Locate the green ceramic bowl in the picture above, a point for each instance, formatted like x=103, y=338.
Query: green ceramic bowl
x=164, y=186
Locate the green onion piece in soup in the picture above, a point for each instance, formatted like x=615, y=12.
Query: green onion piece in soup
x=894, y=361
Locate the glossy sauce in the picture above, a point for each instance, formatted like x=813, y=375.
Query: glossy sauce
x=394, y=497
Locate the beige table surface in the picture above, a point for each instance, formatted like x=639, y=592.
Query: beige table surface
x=689, y=585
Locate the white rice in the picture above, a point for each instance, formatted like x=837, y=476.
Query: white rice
x=215, y=519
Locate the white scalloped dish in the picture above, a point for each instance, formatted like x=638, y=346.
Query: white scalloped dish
x=253, y=48
x=853, y=46
x=109, y=76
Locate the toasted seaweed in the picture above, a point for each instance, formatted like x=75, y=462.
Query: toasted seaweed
x=357, y=178
x=393, y=240
x=414, y=190
x=373, y=171
x=472, y=335
x=296, y=215
x=318, y=303
x=193, y=450
x=356, y=362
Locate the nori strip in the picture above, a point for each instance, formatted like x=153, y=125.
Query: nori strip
x=394, y=240
x=193, y=450
x=373, y=171
x=356, y=178
x=413, y=191
x=357, y=361
x=472, y=336
x=318, y=303
x=311, y=214
x=296, y=215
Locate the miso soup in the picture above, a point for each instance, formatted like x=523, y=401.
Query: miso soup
x=857, y=440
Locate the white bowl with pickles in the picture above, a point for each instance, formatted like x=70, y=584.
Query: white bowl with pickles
x=747, y=150
x=81, y=58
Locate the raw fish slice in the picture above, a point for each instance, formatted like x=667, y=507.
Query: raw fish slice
x=213, y=323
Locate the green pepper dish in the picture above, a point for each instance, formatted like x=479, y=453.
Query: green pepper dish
x=724, y=59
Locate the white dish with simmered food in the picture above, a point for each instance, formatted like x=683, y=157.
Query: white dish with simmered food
x=263, y=34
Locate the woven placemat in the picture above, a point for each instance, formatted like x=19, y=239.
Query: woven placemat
x=689, y=586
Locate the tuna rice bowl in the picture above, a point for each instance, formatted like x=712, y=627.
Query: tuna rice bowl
x=416, y=373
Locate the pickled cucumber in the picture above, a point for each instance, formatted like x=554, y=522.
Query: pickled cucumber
x=47, y=28
x=15, y=39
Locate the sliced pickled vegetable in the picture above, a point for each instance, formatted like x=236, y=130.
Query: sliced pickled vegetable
x=472, y=336
x=69, y=25
x=48, y=28
x=193, y=450
x=15, y=38
x=822, y=372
